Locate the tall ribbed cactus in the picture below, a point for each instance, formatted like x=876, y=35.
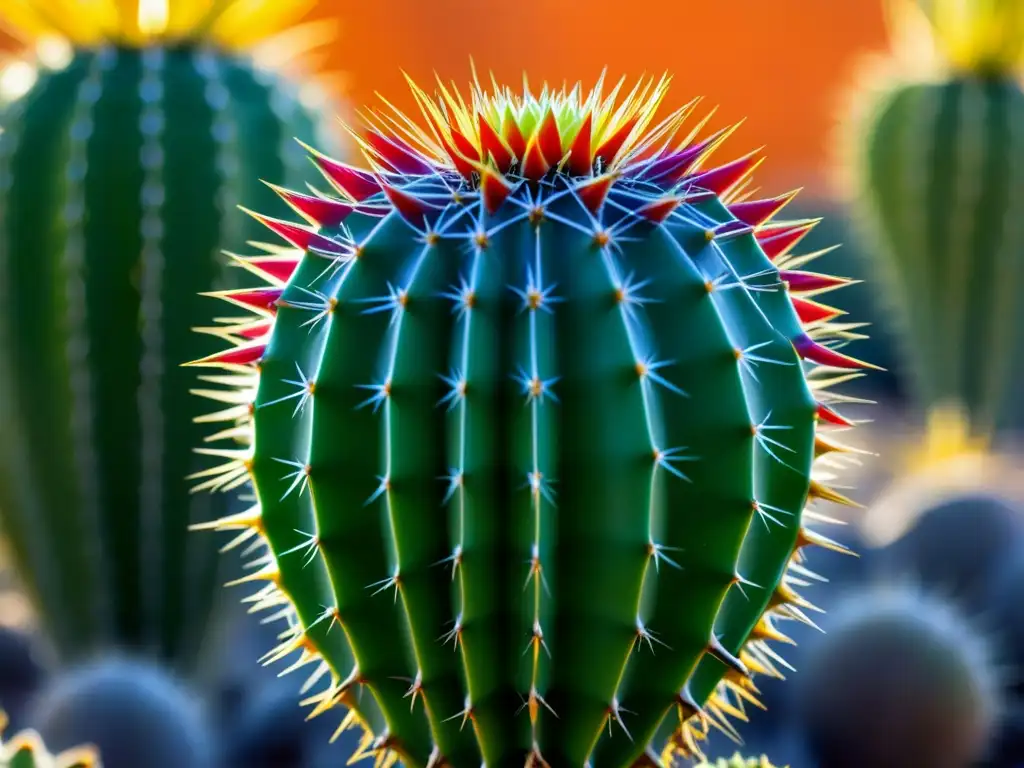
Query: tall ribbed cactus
x=937, y=155
x=120, y=172
x=535, y=403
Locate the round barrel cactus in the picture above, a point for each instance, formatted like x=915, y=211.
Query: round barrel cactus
x=120, y=172
x=936, y=153
x=533, y=404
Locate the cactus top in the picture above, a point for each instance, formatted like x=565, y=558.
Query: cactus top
x=502, y=137
x=229, y=24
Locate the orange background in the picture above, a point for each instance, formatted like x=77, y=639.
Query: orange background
x=782, y=64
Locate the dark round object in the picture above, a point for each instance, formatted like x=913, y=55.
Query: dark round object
x=899, y=680
x=21, y=674
x=955, y=546
x=1004, y=617
x=19, y=667
x=136, y=714
x=273, y=732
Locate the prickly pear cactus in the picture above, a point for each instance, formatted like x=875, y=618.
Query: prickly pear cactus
x=534, y=403
x=120, y=172
x=26, y=750
x=936, y=153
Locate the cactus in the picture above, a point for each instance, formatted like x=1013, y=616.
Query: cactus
x=119, y=174
x=132, y=710
x=901, y=678
x=936, y=159
x=532, y=408
x=26, y=750
x=738, y=761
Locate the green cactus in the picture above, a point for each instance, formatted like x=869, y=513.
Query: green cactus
x=533, y=434
x=26, y=750
x=119, y=175
x=738, y=761
x=936, y=155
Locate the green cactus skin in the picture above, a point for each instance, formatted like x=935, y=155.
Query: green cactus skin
x=938, y=169
x=532, y=447
x=118, y=178
x=26, y=750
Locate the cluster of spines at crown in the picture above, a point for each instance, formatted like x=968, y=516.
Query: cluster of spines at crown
x=447, y=177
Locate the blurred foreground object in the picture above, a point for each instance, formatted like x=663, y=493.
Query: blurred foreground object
x=738, y=761
x=130, y=133
x=935, y=154
x=547, y=384
x=26, y=750
x=899, y=679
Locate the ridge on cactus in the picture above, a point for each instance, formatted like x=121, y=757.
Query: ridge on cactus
x=530, y=406
x=26, y=750
x=122, y=161
x=933, y=148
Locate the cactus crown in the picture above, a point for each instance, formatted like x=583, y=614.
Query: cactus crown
x=230, y=24
x=526, y=135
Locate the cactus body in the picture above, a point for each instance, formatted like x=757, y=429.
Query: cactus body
x=938, y=158
x=26, y=750
x=535, y=432
x=119, y=176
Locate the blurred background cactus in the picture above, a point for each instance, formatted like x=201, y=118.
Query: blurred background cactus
x=134, y=713
x=936, y=154
x=900, y=678
x=130, y=133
